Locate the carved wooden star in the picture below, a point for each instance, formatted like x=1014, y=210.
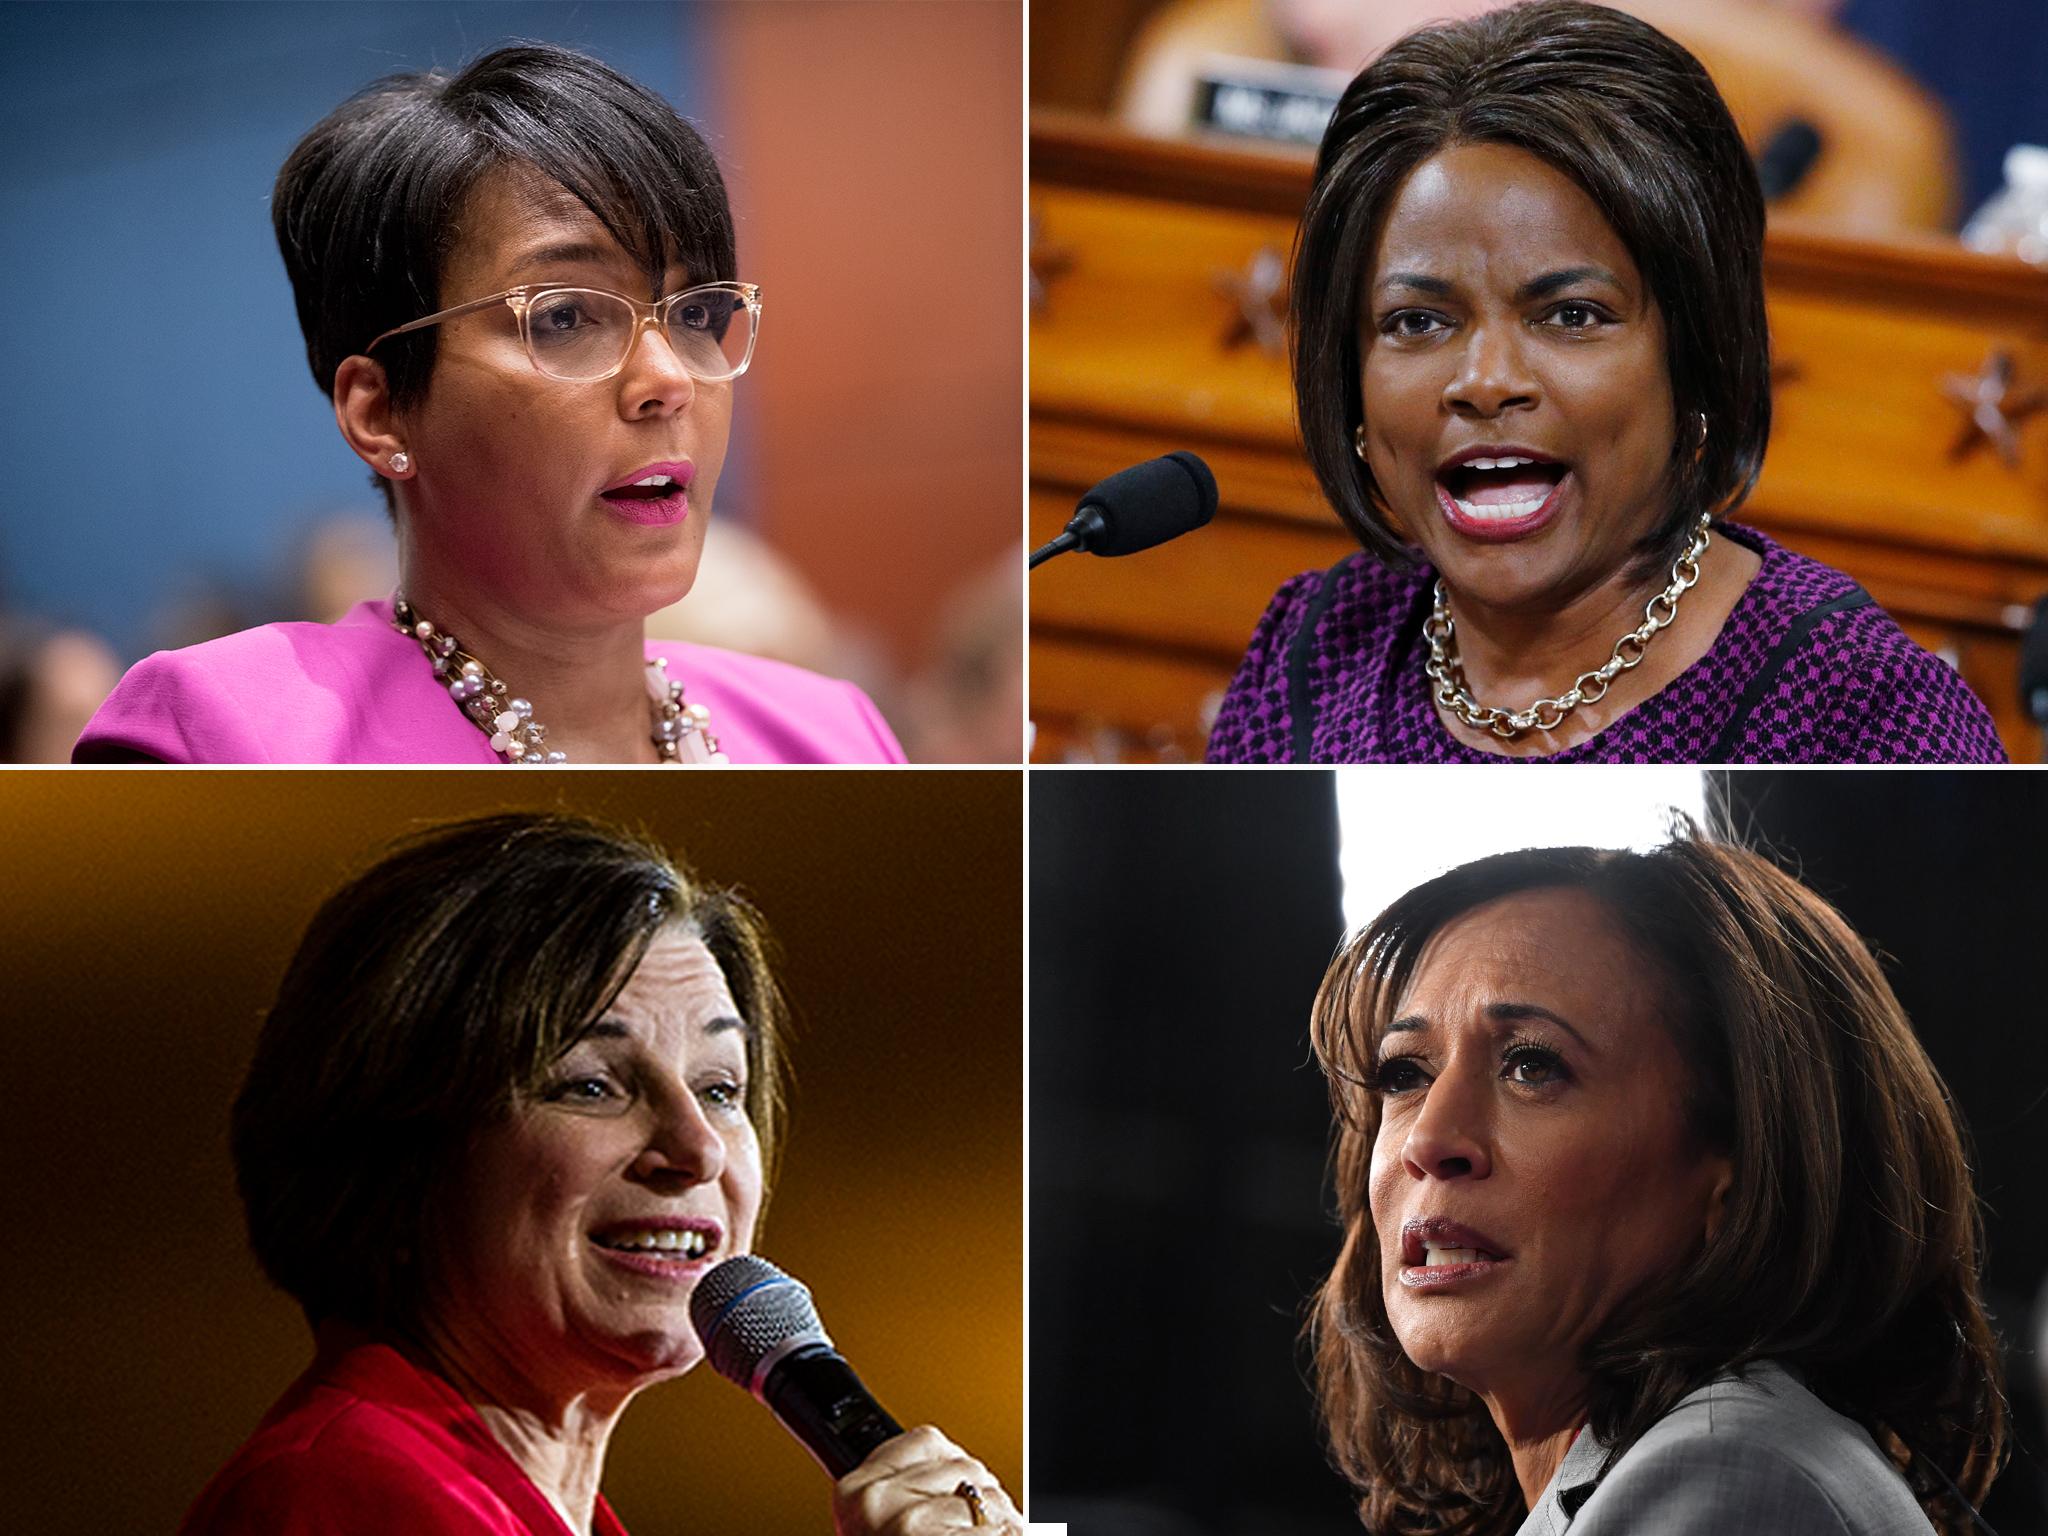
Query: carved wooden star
x=1260, y=294
x=1992, y=411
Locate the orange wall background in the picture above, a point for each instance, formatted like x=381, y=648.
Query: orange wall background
x=874, y=151
x=148, y=917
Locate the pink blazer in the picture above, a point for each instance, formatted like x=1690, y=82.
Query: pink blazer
x=358, y=691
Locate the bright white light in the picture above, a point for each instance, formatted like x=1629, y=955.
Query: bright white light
x=1402, y=825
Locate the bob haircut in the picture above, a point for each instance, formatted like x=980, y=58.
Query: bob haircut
x=1849, y=1240
x=368, y=205
x=1631, y=117
x=427, y=995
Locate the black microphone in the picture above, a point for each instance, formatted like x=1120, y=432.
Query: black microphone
x=1787, y=155
x=760, y=1330
x=1138, y=507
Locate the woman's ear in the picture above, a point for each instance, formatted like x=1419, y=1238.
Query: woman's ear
x=1722, y=1172
x=362, y=409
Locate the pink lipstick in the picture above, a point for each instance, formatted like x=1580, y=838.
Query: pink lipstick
x=655, y=495
x=1497, y=493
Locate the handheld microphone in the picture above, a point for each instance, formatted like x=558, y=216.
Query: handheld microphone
x=1786, y=156
x=761, y=1332
x=1137, y=508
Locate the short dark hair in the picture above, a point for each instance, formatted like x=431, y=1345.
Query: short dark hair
x=426, y=994
x=1634, y=120
x=366, y=205
x=1849, y=1241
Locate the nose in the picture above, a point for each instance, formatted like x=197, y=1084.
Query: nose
x=1450, y=1137
x=1493, y=373
x=682, y=1146
x=654, y=381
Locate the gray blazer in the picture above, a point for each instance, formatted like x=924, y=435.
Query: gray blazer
x=1755, y=1457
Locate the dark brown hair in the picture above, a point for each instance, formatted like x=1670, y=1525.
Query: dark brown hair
x=426, y=994
x=1631, y=117
x=367, y=204
x=1848, y=1245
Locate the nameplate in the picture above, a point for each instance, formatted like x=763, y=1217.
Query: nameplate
x=1257, y=99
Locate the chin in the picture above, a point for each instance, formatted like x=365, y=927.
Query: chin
x=660, y=1353
x=1440, y=1345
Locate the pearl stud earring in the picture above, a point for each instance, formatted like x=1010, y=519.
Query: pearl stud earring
x=401, y=461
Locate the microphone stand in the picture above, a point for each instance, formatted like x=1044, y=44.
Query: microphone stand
x=1087, y=529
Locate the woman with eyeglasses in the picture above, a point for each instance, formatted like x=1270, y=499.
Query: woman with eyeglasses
x=518, y=287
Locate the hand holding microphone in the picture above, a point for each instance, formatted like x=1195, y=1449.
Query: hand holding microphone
x=922, y=1484
x=761, y=1331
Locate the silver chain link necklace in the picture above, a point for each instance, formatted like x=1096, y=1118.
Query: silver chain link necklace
x=1447, y=673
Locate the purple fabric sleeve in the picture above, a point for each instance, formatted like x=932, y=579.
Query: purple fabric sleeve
x=1254, y=723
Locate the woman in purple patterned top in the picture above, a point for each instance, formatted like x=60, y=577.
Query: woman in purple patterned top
x=1533, y=373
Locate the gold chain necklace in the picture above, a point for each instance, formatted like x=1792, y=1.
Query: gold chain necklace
x=1447, y=673
x=681, y=730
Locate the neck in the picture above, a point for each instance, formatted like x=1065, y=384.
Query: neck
x=556, y=1435
x=1539, y=1429
x=1514, y=656
x=586, y=683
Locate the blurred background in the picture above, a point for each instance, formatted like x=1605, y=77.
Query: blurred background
x=176, y=475
x=147, y=922
x=1180, y=1214
x=1906, y=270
x=1951, y=87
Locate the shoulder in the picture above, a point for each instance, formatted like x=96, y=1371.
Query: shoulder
x=368, y=1442
x=1339, y=615
x=1760, y=1447
x=352, y=691
x=1853, y=686
x=771, y=712
x=340, y=1465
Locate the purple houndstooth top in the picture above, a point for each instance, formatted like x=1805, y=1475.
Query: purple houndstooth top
x=1806, y=670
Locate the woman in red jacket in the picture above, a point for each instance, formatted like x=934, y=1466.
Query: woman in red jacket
x=520, y=1089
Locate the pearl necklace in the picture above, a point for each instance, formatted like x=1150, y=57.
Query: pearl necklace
x=681, y=731
x=1447, y=673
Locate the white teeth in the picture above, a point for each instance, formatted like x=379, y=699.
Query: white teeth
x=1507, y=463
x=1499, y=512
x=1434, y=1255
x=689, y=1244
x=655, y=480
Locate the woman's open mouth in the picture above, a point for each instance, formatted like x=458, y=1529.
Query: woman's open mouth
x=656, y=500
x=663, y=1250
x=1436, y=1254
x=1445, y=1267
x=1500, y=496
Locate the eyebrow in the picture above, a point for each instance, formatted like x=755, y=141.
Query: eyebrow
x=581, y=251
x=611, y=1029
x=1535, y=288
x=1500, y=1013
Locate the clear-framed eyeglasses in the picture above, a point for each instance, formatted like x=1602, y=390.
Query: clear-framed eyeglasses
x=581, y=335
